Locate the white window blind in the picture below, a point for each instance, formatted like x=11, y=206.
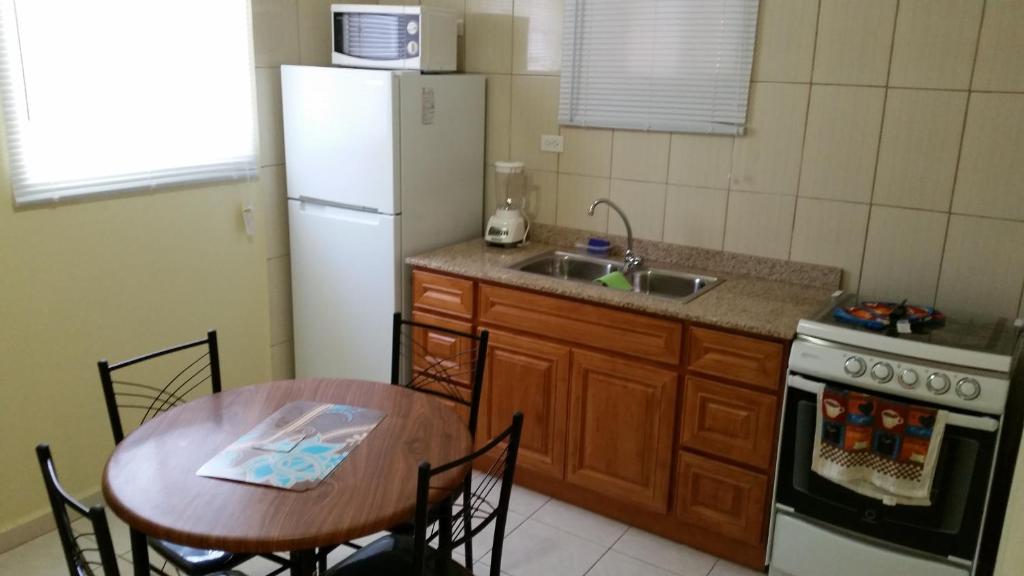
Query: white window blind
x=113, y=95
x=667, y=65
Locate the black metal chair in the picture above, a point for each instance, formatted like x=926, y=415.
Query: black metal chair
x=84, y=557
x=123, y=392
x=456, y=377
x=428, y=552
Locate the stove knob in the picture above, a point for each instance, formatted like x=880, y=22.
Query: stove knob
x=881, y=372
x=909, y=378
x=968, y=388
x=855, y=366
x=938, y=384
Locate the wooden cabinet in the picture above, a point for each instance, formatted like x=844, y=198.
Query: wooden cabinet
x=622, y=419
x=748, y=360
x=443, y=294
x=441, y=353
x=721, y=498
x=531, y=376
x=729, y=421
x=619, y=416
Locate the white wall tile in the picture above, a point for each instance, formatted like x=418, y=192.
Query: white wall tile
x=640, y=156
x=759, y=224
x=542, y=196
x=644, y=205
x=695, y=216
x=586, y=152
x=268, y=92
x=843, y=128
x=279, y=282
x=831, y=233
x=998, y=64
x=489, y=36
x=854, y=41
x=983, y=268
x=767, y=157
x=700, y=160
x=575, y=194
x=920, y=145
x=499, y=117
x=935, y=42
x=537, y=37
x=315, y=32
x=534, y=113
x=991, y=173
x=275, y=209
x=903, y=253
x=276, y=32
x=785, y=41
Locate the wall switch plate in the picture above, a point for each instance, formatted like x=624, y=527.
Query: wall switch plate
x=551, y=143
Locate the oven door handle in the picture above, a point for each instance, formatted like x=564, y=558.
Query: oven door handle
x=983, y=423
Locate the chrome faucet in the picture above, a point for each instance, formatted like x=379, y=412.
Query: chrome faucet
x=632, y=260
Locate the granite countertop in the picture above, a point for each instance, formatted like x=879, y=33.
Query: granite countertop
x=751, y=299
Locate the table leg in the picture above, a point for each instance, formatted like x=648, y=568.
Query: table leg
x=140, y=553
x=303, y=563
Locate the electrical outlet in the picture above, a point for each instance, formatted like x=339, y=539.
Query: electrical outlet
x=551, y=143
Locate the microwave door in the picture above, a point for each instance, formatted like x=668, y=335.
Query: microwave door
x=371, y=40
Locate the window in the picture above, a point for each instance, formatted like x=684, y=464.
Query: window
x=112, y=95
x=668, y=65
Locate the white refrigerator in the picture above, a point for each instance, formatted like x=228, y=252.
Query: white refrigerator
x=381, y=165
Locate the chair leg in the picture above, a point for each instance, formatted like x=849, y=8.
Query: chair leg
x=304, y=563
x=140, y=553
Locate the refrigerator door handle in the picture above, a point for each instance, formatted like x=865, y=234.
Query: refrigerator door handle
x=322, y=202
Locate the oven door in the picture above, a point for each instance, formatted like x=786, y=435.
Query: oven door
x=948, y=528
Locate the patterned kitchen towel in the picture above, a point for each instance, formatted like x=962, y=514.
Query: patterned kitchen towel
x=876, y=447
x=296, y=447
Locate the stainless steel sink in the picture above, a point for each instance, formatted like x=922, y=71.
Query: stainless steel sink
x=657, y=282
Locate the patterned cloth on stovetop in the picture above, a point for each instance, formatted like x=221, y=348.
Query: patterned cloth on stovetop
x=876, y=447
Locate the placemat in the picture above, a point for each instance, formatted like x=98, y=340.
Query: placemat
x=296, y=447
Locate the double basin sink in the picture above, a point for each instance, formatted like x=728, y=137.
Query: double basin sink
x=680, y=286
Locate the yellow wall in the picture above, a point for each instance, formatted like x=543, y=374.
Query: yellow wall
x=115, y=278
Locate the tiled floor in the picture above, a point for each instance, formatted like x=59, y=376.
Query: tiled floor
x=544, y=537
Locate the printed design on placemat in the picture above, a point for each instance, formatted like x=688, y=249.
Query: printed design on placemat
x=296, y=447
x=877, y=447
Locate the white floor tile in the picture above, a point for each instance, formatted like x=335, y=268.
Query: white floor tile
x=726, y=568
x=523, y=500
x=616, y=564
x=536, y=549
x=665, y=554
x=40, y=557
x=582, y=523
x=484, y=541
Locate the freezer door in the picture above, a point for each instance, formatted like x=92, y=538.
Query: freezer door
x=341, y=136
x=345, y=289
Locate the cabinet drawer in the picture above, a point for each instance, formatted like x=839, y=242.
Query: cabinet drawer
x=621, y=427
x=439, y=354
x=439, y=293
x=720, y=498
x=613, y=330
x=742, y=358
x=728, y=421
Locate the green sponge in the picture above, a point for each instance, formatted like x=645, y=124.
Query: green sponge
x=616, y=280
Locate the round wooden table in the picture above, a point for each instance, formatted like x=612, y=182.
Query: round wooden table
x=150, y=480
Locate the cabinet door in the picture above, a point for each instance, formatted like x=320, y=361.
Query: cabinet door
x=440, y=353
x=530, y=376
x=721, y=498
x=621, y=428
x=728, y=421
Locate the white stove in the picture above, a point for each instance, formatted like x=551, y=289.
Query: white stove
x=963, y=366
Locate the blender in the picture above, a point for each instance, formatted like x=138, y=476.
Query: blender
x=509, y=226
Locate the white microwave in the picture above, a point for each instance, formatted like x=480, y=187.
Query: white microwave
x=395, y=37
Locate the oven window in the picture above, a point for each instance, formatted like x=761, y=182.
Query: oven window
x=949, y=527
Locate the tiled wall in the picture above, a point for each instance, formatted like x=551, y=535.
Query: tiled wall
x=885, y=136
x=286, y=32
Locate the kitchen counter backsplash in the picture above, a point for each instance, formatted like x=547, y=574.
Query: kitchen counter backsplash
x=762, y=296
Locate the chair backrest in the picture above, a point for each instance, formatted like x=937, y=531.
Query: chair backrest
x=479, y=507
x=83, y=557
x=452, y=369
x=200, y=367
